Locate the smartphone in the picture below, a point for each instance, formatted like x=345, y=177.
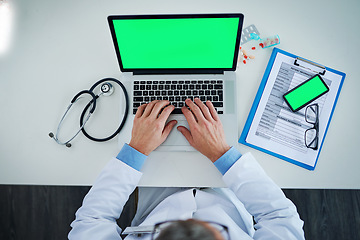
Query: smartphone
x=305, y=93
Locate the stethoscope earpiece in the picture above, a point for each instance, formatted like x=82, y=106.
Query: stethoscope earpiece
x=51, y=135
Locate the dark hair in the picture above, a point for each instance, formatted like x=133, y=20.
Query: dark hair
x=189, y=229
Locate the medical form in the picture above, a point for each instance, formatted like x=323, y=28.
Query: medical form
x=273, y=127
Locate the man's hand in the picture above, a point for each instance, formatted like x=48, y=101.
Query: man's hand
x=149, y=130
x=206, y=132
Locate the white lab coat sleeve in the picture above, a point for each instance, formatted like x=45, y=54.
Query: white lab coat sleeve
x=276, y=216
x=102, y=206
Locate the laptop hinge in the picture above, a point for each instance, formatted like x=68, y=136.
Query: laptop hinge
x=171, y=71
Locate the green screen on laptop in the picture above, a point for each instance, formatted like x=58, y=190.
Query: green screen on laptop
x=201, y=42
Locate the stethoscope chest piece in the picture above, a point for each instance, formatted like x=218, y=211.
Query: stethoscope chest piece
x=106, y=89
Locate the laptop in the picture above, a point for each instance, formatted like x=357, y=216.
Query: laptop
x=174, y=57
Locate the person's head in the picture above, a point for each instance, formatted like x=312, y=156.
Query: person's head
x=191, y=229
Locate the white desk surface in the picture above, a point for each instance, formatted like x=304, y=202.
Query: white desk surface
x=62, y=47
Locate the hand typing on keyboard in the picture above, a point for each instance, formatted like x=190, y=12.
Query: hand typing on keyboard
x=206, y=133
x=149, y=129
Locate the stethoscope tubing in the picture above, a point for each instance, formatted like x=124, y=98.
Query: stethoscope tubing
x=97, y=96
x=73, y=101
x=85, y=117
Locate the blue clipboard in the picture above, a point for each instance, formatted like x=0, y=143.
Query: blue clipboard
x=258, y=96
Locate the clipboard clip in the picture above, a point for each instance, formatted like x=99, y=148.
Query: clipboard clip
x=307, y=63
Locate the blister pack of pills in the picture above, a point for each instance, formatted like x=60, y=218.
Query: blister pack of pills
x=246, y=33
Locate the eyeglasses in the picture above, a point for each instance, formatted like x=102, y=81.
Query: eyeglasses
x=160, y=227
x=312, y=134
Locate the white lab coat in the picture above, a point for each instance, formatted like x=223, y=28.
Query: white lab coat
x=250, y=193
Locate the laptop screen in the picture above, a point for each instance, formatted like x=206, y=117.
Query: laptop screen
x=177, y=43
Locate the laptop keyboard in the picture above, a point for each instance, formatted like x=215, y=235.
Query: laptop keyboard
x=177, y=91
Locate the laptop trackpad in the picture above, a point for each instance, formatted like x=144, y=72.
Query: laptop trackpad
x=175, y=137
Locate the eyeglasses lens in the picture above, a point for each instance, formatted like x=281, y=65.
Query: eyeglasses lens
x=311, y=114
x=311, y=138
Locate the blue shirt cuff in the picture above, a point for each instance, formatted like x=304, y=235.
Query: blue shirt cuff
x=224, y=163
x=131, y=157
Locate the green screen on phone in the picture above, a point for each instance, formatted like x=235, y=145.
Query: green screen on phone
x=177, y=43
x=306, y=92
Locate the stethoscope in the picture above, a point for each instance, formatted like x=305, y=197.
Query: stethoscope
x=106, y=89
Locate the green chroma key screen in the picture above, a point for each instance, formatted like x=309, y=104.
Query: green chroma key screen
x=176, y=43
